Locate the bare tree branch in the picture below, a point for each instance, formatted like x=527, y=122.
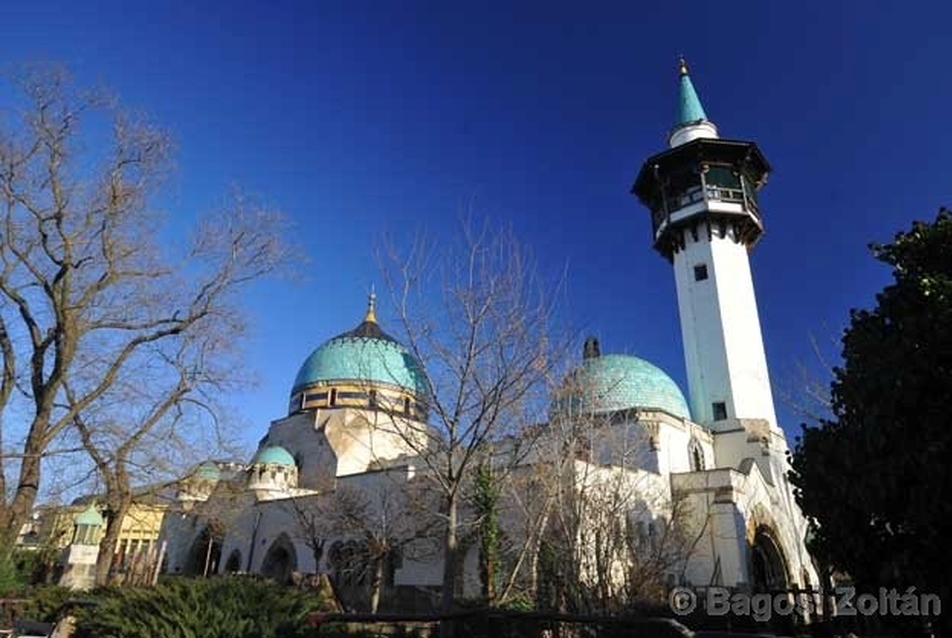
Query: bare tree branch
x=478, y=318
x=105, y=329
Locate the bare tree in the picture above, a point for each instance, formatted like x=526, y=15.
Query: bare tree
x=104, y=328
x=614, y=533
x=806, y=391
x=384, y=519
x=526, y=504
x=477, y=317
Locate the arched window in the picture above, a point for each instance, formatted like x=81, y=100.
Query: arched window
x=696, y=456
x=654, y=536
x=641, y=535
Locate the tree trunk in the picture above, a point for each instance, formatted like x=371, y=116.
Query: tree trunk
x=26, y=490
x=376, y=581
x=487, y=572
x=107, y=545
x=450, y=545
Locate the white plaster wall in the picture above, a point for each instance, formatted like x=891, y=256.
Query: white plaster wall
x=422, y=565
x=238, y=536
x=277, y=518
x=302, y=435
x=398, y=499
x=653, y=441
x=179, y=531
x=674, y=453
x=638, y=494
x=364, y=439
x=623, y=445
x=717, y=526
x=720, y=327
x=338, y=442
x=727, y=505
x=684, y=134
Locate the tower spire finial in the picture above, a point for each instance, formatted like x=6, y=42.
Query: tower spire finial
x=690, y=112
x=371, y=306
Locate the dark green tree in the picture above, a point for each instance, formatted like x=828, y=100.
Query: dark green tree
x=875, y=477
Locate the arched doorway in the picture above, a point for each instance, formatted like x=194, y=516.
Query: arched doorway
x=204, y=555
x=280, y=560
x=767, y=564
x=233, y=564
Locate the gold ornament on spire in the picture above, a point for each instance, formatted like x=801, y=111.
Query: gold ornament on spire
x=371, y=306
x=682, y=66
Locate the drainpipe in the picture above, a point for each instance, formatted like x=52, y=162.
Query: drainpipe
x=254, y=540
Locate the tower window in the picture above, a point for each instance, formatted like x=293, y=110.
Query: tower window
x=333, y=400
x=373, y=398
x=700, y=272
x=720, y=410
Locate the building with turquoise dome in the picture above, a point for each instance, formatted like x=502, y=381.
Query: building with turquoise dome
x=354, y=407
x=617, y=382
x=359, y=366
x=709, y=463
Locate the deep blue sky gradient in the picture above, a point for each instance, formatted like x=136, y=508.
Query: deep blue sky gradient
x=360, y=118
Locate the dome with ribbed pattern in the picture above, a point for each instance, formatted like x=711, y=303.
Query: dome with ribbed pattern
x=616, y=382
x=364, y=355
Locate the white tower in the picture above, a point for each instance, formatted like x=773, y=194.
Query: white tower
x=702, y=194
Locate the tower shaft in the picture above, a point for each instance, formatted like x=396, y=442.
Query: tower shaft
x=702, y=194
x=720, y=328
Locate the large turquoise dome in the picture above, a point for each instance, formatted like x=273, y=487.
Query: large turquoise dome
x=608, y=383
x=364, y=355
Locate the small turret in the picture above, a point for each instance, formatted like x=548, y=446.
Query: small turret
x=591, y=349
x=273, y=472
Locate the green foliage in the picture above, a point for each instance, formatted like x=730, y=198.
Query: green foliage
x=11, y=577
x=19, y=568
x=213, y=608
x=875, y=477
x=519, y=603
x=486, y=493
x=45, y=602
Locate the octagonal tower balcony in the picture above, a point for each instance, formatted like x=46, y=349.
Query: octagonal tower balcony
x=706, y=184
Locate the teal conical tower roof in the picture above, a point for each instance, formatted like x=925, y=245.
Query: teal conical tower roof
x=689, y=105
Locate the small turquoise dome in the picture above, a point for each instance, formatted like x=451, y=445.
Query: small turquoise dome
x=618, y=382
x=90, y=516
x=273, y=455
x=365, y=354
x=207, y=471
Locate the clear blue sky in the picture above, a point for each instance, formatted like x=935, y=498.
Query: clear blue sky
x=359, y=117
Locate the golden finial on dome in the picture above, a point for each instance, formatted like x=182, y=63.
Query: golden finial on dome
x=682, y=66
x=371, y=306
